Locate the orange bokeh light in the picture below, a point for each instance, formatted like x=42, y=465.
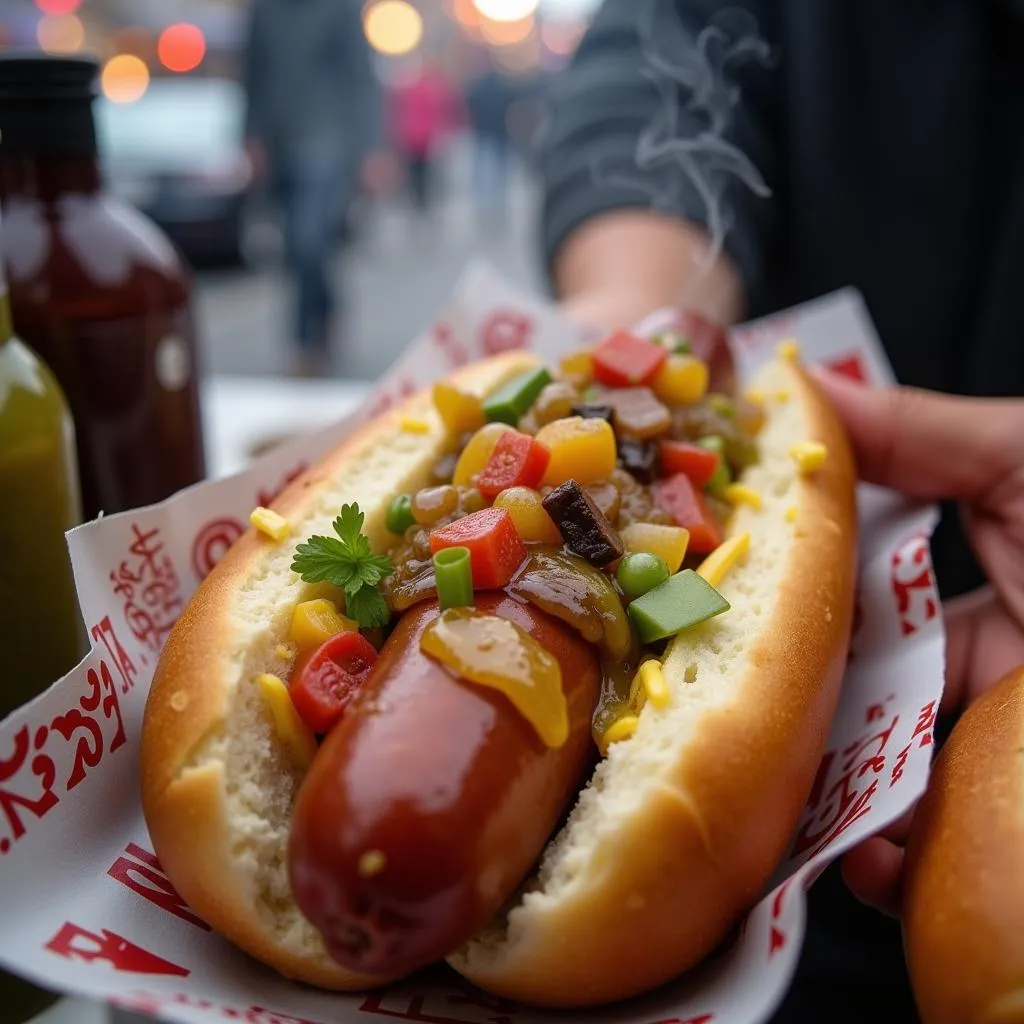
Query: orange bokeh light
x=506, y=33
x=58, y=6
x=181, y=47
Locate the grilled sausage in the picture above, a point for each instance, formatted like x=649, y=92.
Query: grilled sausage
x=428, y=805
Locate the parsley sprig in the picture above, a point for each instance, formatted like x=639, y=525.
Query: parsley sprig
x=348, y=562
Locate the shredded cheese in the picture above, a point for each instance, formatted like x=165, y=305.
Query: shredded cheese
x=291, y=730
x=653, y=681
x=372, y=863
x=621, y=729
x=270, y=523
x=791, y=514
x=741, y=494
x=809, y=456
x=789, y=349
x=414, y=426
x=716, y=566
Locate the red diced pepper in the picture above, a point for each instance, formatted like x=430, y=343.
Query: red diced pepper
x=697, y=463
x=518, y=460
x=677, y=496
x=624, y=360
x=495, y=548
x=323, y=686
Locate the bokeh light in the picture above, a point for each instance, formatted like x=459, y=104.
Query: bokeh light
x=466, y=13
x=60, y=33
x=562, y=37
x=181, y=47
x=58, y=7
x=393, y=27
x=506, y=33
x=125, y=78
x=506, y=10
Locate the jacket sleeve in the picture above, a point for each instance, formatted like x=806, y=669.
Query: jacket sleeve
x=668, y=105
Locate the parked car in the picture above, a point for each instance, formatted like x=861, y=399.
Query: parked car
x=177, y=154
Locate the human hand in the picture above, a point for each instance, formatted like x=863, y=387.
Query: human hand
x=934, y=447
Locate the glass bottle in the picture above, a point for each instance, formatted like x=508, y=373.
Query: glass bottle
x=41, y=633
x=97, y=290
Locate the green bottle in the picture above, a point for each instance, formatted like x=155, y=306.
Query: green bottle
x=40, y=627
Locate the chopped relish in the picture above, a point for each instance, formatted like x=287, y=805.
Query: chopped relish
x=598, y=492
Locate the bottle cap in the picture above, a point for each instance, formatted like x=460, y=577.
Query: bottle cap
x=46, y=105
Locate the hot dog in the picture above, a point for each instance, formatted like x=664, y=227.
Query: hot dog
x=446, y=861
x=615, y=568
x=963, y=890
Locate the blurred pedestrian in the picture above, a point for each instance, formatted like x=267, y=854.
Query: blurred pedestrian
x=739, y=158
x=313, y=119
x=489, y=100
x=423, y=110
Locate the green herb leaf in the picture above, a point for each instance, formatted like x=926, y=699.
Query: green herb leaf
x=348, y=562
x=368, y=608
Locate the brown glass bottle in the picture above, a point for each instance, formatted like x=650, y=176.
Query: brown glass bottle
x=97, y=290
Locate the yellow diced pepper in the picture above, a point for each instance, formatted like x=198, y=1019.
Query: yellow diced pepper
x=291, y=730
x=741, y=494
x=415, y=426
x=577, y=365
x=531, y=520
x=809, y=456
x=789, y=349
x=270, y=523
x=682, y=380
x=669, y=542
x=581, y=449
x=475, y=455
x=791, y=514
x=315, y=622
x=621, y=729
x=459, y=411
x=715, y=567
x=653, y=681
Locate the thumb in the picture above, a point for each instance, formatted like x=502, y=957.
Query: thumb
x=926, y=444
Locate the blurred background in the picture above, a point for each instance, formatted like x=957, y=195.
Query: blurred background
x=445, y=168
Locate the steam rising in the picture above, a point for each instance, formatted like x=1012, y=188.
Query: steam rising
x=693, y=79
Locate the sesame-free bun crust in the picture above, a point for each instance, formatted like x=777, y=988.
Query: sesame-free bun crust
x=683, y=825
x=963, y=892
x=217, y=787
x=679, y=829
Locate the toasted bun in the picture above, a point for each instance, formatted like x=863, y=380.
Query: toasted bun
x=680, y=828
x=963, y=895
x=217, y=786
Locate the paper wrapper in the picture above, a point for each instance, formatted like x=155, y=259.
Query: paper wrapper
x=86, y=907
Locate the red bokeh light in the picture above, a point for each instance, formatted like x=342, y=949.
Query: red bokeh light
x=58, y=6
x=181, y=47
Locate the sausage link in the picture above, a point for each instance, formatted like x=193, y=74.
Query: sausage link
x=426, y=808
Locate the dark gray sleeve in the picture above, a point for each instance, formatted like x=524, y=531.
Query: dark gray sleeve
x=667, y=105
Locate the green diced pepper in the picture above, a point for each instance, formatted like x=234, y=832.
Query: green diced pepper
x=721, y=477
x=512, y=400
x=681, y=601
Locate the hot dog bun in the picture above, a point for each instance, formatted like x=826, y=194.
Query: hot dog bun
x=217, y=786
x=682, y=825
x=963, y=896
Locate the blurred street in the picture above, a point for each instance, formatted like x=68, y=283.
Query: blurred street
x=396, y=275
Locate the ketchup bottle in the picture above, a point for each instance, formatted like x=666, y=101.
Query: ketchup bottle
x=97, y=290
